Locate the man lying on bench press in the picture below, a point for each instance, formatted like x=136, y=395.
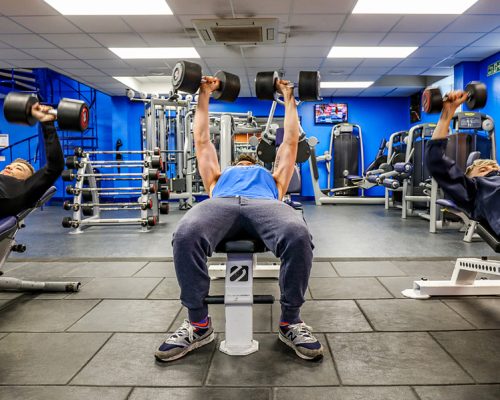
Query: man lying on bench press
x=477, y=191
x=20, y=185
x=243, y=198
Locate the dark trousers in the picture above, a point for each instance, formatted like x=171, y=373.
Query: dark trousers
x=279, y=226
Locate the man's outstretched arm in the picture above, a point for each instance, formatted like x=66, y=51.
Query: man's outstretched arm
x=206, y=155
x=287, y=153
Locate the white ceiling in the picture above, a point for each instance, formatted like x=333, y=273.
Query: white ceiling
x=32, y=34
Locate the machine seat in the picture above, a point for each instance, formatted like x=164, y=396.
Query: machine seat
x=241, y=245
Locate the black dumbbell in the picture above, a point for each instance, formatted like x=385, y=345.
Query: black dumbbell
x=150, y=221
x=72, y=162
x=68, y=175
x=432, y=98
x=72, y=115
x=187, y=77
x=308, y=86
x=164, y=208
x=152, y=175
x=69, y=222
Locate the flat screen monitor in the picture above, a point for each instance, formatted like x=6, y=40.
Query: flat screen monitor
x=331, y=113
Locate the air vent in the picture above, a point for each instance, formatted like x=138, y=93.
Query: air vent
x=232, y=31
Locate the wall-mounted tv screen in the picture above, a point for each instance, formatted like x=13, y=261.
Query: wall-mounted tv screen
x=331, y=113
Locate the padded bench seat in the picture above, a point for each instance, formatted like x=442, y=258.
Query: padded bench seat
x=241, y=246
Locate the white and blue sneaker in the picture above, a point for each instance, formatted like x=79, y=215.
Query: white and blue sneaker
x=185, y=339
x=300, y=338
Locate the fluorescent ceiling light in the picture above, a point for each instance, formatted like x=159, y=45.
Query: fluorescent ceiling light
x=110, y=7
x=342, y=85
x=412, y=6
x=155, y=52
x=370, y=52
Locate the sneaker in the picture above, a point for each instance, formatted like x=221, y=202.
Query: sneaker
x=185, y=339
x=299, y=337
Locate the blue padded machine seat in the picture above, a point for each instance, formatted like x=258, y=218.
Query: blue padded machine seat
x=6, y=224
x=448, y=203
x=241, y=246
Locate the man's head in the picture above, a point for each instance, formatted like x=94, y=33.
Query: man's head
x=19, y=169
x=245, y=160
x=481, y=168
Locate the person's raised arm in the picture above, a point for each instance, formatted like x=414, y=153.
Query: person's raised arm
x=284, y=163
x=206, y=155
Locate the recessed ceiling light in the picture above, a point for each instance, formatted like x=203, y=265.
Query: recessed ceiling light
x=342, y=85
x=110, y=7
x=370, y=52
x=155, y=52
x=412, y=6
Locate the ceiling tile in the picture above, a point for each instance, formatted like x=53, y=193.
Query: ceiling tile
x=371, y=70
x=26, y=7
x=435, y=51
x=263, y=51
x=9, y=26
x=221, y=63
x=304, y=63
x=4, y=64
x=104, y=64
x=327, y=75
x=219, y=51
x=47, y=24
x=485, y=7
x=13, y=54
x=491, y=39
x=406, y=39
x=93, y=53
x=316, y=22
x=49, y=54
x=347, y=92
x=26, y=41
x=341, y=62
x=436, y=71
x=324, y=6
x=245, y=7
x=407, y=71
x=355, y=76
x=307, y=51
x=419, y=62
x=380, y=62
x=150, y=63
x=370, y=23
x=68, y=64
x=374, y=91
x=120, y=71
x=474, y=23
x=423, y=23
x=305, y=38
x=86, y=72
x=119, y=39
x=402, y=92
x=276, y=63
x=29, y=63
x=100, y=24
x=71, y=40
x=153, y=23
x=179, y=7
x=100, y=79
x=455, y=39
x=358, y=39
x=180, y=39
x=477, y=52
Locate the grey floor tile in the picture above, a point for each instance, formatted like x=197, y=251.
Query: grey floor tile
x=62, y=392
x=63, y=295
x=426, y=269
x=11, y=265
x=367, y=268
x=462, y=392
x=157, y=269
x=345, y=393
x=43, y=315
x=478, y=352
x=347, y=288
x=8, y=295
x=131, y=356
x=205, y=393
x=482, y=313
x=275, y=364
x=129, y=316
x=412, y=315
x=117, y=288
x=4, y=303
x=323, y=269
x=261, y=318
x=106, y=269
x=396, y=284
x=329, y=316
x=40, y=270
x=46, y=358
x=2, y=335
x=393, y=359
x=168, y=289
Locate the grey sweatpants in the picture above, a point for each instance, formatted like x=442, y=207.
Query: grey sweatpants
x=279, y=226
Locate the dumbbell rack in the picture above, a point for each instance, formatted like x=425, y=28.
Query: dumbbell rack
x=86, y=182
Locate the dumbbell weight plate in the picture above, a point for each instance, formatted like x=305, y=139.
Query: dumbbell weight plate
x=478, y=95
x=432, y=100
x=229, y=87
x=67, y=175
x=186, y=77
x=72, y=115
x=309, y=86
x=164, y=208
x=165, y=194
x=88, y=211
x=303, y=151
x=17, y=108
x=266, y=152
x=265, y=85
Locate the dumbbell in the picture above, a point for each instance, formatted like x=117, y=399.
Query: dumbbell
x=187, y=77
x=308, y=86
x=164, y=208
x=72, y=115
x=432, y=98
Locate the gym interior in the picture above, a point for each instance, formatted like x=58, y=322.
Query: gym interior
x=403, y=290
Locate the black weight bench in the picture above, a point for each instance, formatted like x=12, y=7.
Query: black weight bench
x=9, y=226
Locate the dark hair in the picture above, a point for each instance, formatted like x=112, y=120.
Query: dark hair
x=245, y=157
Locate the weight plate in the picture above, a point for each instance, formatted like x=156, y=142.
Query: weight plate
x=72, y=115
x=265, y=85
x=478, y=95
x=303, y=151
x=432, y=100
x=266, y=152
x=17, y=108
x=309, y=85
x=229, y=87
x=186, y=77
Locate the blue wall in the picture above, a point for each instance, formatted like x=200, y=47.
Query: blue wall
x=493, y=83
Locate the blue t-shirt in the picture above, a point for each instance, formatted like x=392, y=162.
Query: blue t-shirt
x=252, y=181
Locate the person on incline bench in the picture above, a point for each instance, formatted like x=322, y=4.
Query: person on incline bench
x=478, y=189
x=244, y=198
x=20, y=185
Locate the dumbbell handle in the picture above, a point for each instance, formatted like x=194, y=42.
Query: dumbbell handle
x=445, y=97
